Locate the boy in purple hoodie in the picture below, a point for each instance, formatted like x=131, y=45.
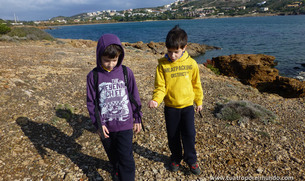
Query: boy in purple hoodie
x=118, y=116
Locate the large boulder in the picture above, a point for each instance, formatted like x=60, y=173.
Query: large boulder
x=258, y=71
x=287, y=87
x=248, y=68
x=196, y=49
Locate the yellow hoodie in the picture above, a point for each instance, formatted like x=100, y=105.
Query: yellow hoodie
x=178, y=82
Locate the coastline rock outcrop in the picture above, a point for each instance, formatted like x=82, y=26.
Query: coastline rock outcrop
x=258, y=71
x=157, y=48
x=194, y=49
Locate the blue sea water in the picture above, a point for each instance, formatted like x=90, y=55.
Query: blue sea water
x=280, y=36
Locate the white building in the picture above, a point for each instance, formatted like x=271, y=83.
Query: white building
x=262, y=3
x=264, y=9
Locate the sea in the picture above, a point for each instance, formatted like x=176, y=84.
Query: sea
x=279, y=36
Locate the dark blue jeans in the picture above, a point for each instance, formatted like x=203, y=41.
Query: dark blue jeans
x=180, y=126
x=120, y=153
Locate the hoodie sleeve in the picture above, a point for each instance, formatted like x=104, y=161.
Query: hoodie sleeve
x=197, y=86
x=133, y=89
x=159, y=92
x=91, y=95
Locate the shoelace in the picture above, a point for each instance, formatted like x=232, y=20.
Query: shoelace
x=194, y=167
x=177, y=165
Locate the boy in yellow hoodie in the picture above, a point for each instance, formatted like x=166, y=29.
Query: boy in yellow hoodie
x=177, y=82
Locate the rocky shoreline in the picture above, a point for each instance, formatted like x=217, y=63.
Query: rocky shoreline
x=259, y=72
x=46, y=133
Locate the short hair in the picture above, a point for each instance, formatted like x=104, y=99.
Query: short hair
x=176, y=38
x=113, y=51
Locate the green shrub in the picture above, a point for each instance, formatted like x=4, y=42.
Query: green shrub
x=4, y=29
x=241, y=110
x=30, y=33
x=214, y=69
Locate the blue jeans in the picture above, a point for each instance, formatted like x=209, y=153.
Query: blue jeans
x=180, y=126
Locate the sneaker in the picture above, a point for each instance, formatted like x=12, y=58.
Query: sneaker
x=174, y=167
x=195, y=169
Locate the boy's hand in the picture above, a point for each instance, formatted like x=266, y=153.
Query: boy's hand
x=152, y=104
x=105, y=132
x=198, y=108
x=137, y=127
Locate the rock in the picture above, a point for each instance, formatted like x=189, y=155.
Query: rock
x=260, y=170
x=259, y=72
x=157, y=48
x=295, y=159
x=301, y=76
x=231, y=162
x=194, y=49
x=82, y=43
x=286, y=87
x=248, y=68
x=283, y=138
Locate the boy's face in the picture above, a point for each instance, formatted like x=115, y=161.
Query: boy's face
x=175, y=54
x=109, y=63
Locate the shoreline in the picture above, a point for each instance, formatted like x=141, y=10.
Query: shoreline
x=209, y=17
x=294, y=74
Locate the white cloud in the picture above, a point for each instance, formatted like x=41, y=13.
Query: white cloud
x=46, y=9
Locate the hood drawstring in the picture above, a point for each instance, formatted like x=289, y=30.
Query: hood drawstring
x=106, y=69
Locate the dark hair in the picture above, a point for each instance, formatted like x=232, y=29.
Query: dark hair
x=113, y=51
x=176, y=38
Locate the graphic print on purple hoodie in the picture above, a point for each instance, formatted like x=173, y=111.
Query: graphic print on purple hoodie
x=116, y=111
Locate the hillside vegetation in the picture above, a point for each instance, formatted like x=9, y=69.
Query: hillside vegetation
x=187, y=9
x=274, y=6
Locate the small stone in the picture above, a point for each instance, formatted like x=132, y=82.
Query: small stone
x=284, y=138
x=242, y=125
x=41, y=162
x=296, y=159
x=230, y=162
x=155, y=171
x=260, y=170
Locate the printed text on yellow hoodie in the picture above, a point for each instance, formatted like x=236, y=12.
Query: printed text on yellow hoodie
x=178, y=82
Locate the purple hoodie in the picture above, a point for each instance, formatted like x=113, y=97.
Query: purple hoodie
x=116, y=111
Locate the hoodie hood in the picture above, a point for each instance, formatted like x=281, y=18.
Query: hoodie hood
x=103, y=42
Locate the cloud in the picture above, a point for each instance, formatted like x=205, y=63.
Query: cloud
x=45, y=9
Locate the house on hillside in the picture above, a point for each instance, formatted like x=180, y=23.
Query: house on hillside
x=242, y=7
x=62, y=21
x=295, y=4
x=264, y=9
x=262, y=3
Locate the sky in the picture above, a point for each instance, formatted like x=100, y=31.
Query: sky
x=31, y=10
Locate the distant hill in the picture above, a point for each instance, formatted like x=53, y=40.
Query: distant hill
x=192, y=9
x=278, y=4
x=217, y=3
x=274, y=6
